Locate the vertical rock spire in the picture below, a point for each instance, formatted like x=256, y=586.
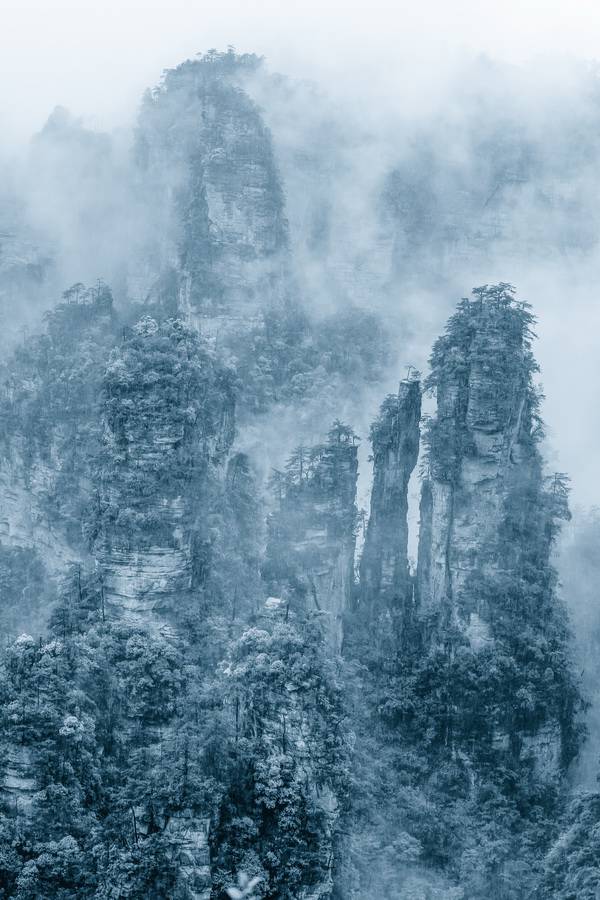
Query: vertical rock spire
x=213, y=195
x=384, y=572
x=169, y=416
x=481, y=448
x=485, y=587
x=310, y=552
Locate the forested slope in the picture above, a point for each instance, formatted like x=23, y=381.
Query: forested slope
x=214, y=663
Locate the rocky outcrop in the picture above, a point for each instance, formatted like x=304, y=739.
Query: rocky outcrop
x=481, y=451
x=488, y=516
x=188, y=835
x=18, y=785
x=311, y=546
x=395, y=436
x=23, y=731
x=544, y=749
x=210, y=181
x=169, y=418
x=126, y=460
x=169, y=424
x=50, y=433
x=25, y=519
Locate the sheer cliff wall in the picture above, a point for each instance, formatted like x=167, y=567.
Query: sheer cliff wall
x=395, y=437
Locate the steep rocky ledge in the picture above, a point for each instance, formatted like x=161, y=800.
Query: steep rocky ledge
x=481, y=455
x=395, y=436
x=209, y=178
x=50, y=398
x=485, y=584
x=169, y=418
x=311, y=546
x=169, y=422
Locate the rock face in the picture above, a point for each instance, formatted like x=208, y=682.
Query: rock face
x=26, y=273
x=48, y=436
x=310, y=552
x=20, y=746
x=488, y=516
x=395, y=436
x=49, y=407
x=544, y=747
x=169, y=422
x=120, y=457
x=211, y=184
x=482, y=452
x=169, y=418
x=189, y=837
x=25, y=522
x=18, y=786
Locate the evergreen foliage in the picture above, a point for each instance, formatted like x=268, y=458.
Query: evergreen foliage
x=289, y=357
x=211, y=696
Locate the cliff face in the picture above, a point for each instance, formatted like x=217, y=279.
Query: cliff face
x=311, y=545
x=49, y=401
x=131, y=458
x=49, y=405
x=25, y=271
x=395, y=437
x=482, y=453
x=25, y=521
x=169, y=424
x=208, y=174
x=169, y=418
x=485, y=588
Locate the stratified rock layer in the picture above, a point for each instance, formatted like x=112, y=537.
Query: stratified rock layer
x=169, y=423
x=485, y=583
x=384, y=571
x=481, y=453
x=169, y=418
x=210, y=179
x=310, y=554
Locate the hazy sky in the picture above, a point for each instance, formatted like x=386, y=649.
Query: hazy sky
x=97, y=57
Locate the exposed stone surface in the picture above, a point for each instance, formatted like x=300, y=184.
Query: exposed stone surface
x=44, y=481
x=310, y=554
x=169, y=424
x=188, y=835
x=211, y=182
x=49, y=400
x=18, y=782
x=18, y=786
x=481, y=450
x=545, y=748
x=484, y=572
x=384, y=572
x=163, y=433
x=24, y=518
x=486, y=520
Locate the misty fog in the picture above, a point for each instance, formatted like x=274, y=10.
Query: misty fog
x=414, y=167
